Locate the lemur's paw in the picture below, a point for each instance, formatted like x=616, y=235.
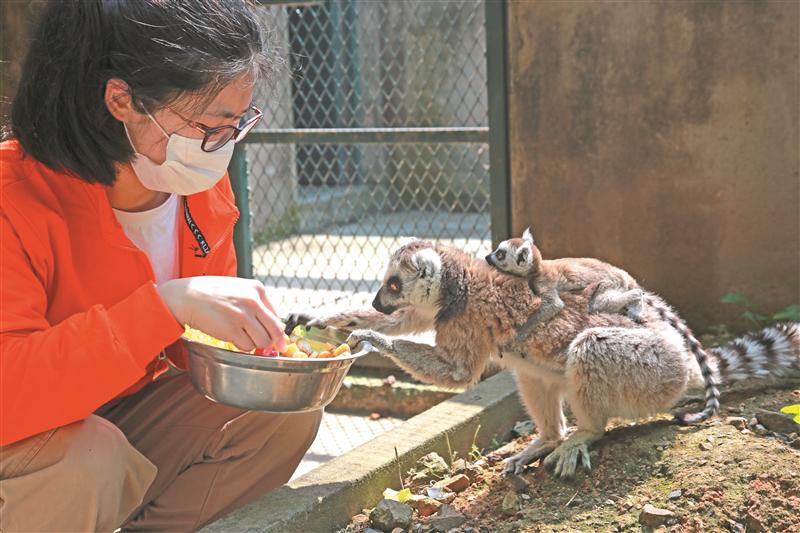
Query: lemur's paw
x=563, y=461
x=378, y=340
x=320, y=319
x=516, y=464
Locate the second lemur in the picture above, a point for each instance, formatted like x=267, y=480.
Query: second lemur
x=615, y=290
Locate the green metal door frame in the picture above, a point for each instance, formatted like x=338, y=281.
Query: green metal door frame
x=496, y=136
x=497, y=75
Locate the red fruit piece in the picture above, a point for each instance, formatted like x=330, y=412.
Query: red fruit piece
x=266, y=352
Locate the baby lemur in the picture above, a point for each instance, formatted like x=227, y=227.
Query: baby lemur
x=614, y=291
x=603, y=365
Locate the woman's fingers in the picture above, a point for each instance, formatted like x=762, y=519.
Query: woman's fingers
x=259, y=337
x=241, y=339
x=273, y=326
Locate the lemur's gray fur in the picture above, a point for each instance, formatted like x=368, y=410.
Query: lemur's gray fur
x=521, y=257
x=604, y=365
x=614, y=291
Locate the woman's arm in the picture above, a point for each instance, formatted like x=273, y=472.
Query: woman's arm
x=52, y=375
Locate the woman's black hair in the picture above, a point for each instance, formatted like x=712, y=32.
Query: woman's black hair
x=163, y=50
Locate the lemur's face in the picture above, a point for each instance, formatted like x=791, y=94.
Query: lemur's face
x=513, y=256
x=413, y=278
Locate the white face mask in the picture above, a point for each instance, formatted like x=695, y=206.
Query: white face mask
x=187, y=168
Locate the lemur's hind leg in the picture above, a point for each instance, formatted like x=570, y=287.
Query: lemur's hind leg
x=613, y=371
x=543, y=402
x=606, y=298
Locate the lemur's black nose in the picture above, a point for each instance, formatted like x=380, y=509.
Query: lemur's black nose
x=379, y=307
x=489, y=259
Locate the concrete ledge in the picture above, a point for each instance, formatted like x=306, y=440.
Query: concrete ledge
x=404, y=399
x=326, y=498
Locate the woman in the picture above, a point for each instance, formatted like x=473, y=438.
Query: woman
x=117, y=220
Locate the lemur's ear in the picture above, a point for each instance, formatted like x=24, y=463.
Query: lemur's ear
x=403, y=241
x=428, y=262
x=527, y=235
x=522, y=256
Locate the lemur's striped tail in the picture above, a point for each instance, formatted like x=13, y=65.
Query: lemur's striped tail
x=668, y=315
x=771, y=352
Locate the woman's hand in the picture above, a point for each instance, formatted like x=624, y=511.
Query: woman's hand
x=236, y=310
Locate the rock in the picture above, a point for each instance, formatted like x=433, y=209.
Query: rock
x=360, y=519
x=459, y=466
x=777, y=422
x=398, y=530
x=518, y=484
x=706, y=446
x=428, y=506
x=795, y=443
x=653, y=516
x=609, y=502
x=739, y=422
x=510, y=503
x=733, y=409
x=752, y=422
x=446, y=519
x=472, y=470
x=389, y=380
x=675, y=494
x=506, y=450
x=428, y=467
x=389, y=514
x=374, y=416
x=371, y=530
x=455, y=483
x=523, y=428
x=754, y=522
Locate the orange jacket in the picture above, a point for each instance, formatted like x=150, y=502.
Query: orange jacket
x=81, y=321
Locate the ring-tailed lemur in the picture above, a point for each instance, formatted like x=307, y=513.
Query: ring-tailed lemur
x=614, y=291
x=603, y=365
x=521, y=257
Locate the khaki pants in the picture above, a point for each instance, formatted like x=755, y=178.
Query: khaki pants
x=164, y=459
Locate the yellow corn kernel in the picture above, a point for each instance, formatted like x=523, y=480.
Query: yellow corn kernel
x=291, y=349
x=342, y=348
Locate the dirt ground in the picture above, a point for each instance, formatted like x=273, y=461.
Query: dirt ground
x=712, y=477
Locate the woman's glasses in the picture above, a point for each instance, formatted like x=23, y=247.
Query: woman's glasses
x=217, y=137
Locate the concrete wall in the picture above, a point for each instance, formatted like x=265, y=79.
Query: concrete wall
x=662, y=137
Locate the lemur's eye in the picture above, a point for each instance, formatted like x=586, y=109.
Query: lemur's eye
x=500, y=254
x=393, y=284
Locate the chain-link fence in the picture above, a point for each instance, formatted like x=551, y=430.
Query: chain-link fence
x=326, y=212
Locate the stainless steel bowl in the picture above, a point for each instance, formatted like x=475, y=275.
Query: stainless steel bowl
x=274, y=384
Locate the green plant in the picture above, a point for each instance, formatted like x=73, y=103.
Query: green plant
x=753, y=314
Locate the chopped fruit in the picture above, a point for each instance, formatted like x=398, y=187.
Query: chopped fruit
x=297, y=347
x=342, y=348
x=291, y=349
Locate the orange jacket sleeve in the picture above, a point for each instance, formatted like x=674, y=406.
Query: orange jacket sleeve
x=55, y=374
